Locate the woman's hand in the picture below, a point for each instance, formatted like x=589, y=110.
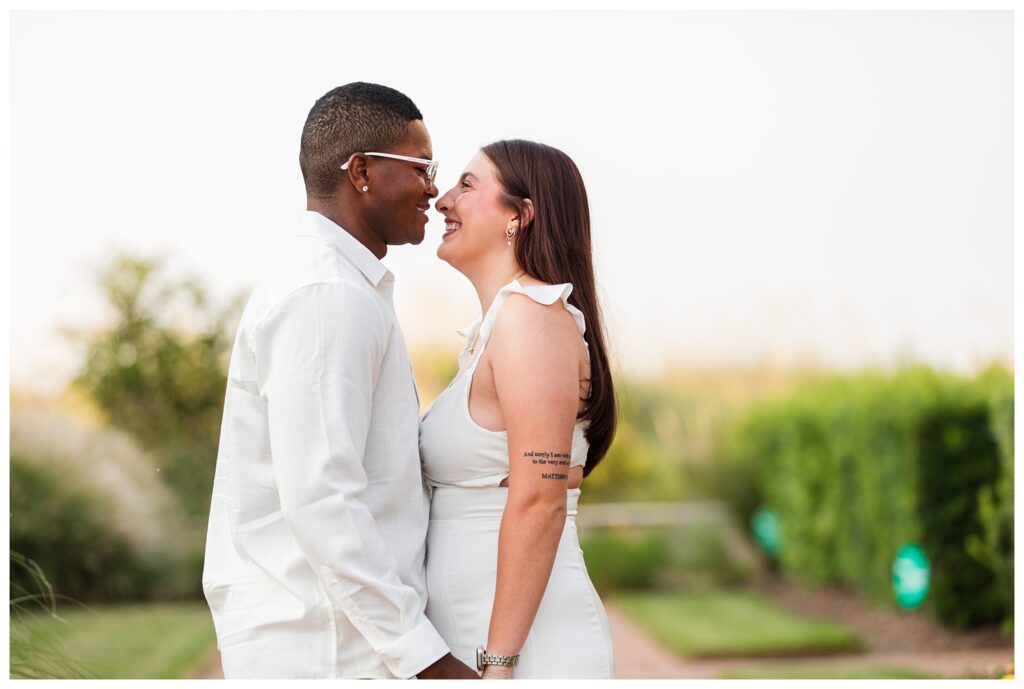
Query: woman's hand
x=497, y=672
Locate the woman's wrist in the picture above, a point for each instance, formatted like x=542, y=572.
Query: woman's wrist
x=497, y=661
x=497, y=672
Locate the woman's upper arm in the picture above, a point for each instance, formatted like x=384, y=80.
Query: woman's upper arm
x=533, y=354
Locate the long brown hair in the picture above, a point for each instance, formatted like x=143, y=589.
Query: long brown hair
x=555, y=248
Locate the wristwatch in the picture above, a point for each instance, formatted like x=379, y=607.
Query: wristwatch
x=484, y=658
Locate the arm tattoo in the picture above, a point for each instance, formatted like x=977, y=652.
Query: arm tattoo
x=558, y=459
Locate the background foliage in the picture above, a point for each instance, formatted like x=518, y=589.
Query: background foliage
x=855, y=464
x=159, y=371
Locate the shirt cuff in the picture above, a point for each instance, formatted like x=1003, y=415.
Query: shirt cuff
x=414, y=651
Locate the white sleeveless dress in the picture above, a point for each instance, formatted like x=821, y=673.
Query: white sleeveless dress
x=464, y=465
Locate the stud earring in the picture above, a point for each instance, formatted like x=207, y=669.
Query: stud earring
x=366, y=188
x=510, y=232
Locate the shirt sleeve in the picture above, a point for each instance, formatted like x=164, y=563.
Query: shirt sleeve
x=317, y=359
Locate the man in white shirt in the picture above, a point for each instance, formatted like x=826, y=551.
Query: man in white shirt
x=315, y=551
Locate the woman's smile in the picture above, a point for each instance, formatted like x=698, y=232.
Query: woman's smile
x=450, y=228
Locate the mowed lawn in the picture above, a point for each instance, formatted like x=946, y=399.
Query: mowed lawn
x=721, y=623
x=827, y=672
x=144, y=641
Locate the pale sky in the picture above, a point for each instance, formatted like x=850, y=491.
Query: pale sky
x=775, y=186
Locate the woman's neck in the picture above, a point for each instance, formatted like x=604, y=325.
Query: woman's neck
x=487, y=283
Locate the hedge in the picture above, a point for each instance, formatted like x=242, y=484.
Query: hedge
x=856, y=466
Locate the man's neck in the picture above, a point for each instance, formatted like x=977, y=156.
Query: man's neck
x=343, y=216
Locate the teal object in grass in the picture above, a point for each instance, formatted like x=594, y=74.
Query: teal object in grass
x=765, y=525
x=911, y=575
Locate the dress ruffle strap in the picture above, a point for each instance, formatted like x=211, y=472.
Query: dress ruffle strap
x=542, y=294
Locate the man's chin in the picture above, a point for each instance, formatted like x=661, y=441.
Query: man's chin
x=415, y=237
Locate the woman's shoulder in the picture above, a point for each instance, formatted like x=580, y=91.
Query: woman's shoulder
x=537, y=311
x=520, y=313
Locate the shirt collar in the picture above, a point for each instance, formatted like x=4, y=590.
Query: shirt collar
x=314, y=224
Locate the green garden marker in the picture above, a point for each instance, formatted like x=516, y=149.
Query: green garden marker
x=765, y=525
x=911, y=574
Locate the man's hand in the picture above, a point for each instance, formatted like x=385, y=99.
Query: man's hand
x=448, y=667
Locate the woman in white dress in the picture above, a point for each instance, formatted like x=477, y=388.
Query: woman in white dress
x=531, y=412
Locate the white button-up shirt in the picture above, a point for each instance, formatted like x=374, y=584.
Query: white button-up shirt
x=315, y=550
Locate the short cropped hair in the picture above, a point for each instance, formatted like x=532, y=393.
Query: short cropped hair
x=349, y=119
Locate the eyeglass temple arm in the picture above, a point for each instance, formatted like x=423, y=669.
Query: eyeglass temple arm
x=344, y=166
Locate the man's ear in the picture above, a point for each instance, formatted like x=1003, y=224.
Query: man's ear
x=525, y=212
x=356, y=171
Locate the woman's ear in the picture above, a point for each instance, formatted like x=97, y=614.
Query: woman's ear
x=525, y=213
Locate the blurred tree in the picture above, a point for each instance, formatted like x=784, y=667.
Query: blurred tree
x=159, y=371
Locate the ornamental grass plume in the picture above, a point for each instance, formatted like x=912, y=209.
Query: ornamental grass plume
x=103, y=462
x=40, y=655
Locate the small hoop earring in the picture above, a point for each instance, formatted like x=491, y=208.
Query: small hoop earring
x=366, y=188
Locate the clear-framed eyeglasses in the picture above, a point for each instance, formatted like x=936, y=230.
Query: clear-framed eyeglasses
x=430, y=171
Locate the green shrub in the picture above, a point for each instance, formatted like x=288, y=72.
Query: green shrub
x=69, y=532
x=856, y=466
x=993, y=547
x=698, y=554
x=958, y=458
x=619, y=560
x=66, y=532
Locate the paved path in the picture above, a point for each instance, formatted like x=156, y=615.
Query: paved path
x=210, y=669
x=639, y=656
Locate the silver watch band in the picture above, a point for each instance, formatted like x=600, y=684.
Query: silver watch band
x=483, y=658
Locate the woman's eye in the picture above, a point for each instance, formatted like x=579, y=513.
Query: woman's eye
x=464, y=184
